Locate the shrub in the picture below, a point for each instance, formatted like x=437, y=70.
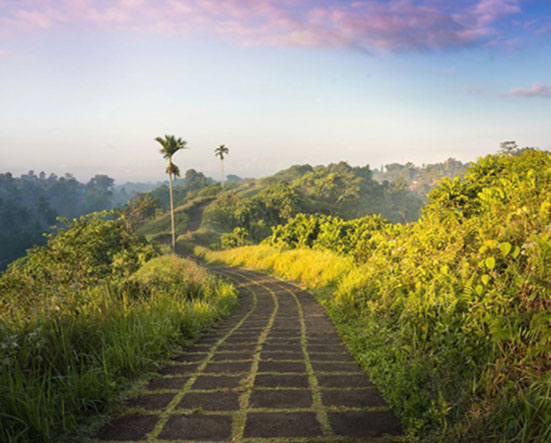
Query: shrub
x=85, y=314
x=449, y=315
x=238, y=237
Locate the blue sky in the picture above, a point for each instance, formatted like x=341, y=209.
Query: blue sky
x=87, y=85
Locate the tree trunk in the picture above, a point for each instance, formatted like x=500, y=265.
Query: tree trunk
x=222, y=169
x=171, y=210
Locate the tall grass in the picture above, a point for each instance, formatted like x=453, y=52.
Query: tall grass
x=71, y=357
x=324, y=269
x=442, y=375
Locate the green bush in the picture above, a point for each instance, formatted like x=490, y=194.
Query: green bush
x=325, y=232
x=85, y=314
x=238, y=237
x=449, y=315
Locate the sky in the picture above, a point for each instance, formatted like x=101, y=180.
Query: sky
x=87, y=85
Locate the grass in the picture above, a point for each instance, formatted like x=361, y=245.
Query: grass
x=436, y=390
x=160, y=226
x=75, y=356
x=324, y=269
x=204, y=236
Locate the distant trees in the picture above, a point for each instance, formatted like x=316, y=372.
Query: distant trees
x=508, y=147
x=30, y=204
x=220, y=151
x=99, y=192
x=170, y=145
x=194, y=181
x=511, y=148
x=420, y=179
x=336, y=189
x=141, y=208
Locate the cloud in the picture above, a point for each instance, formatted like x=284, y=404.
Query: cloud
x=389, y=25
x=536, y=90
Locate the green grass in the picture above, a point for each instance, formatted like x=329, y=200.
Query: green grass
x=204, y=236
x=74, y=357
x=160, y=226
x=444, y=388
x=325, y=268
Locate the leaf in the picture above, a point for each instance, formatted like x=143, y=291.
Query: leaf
x=479, y=289
x=505, y=248
x=485, y=279
x=490, y=263
x=516, y=252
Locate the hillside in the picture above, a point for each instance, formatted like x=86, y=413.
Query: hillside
x=31, y=203
x=252, y=207
x=447, y=314
x=450, y=314
x=420, y=179
x=87, y=315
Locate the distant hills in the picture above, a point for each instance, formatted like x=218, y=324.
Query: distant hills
x=420, y=179
x=29, y=204
x=247, y=209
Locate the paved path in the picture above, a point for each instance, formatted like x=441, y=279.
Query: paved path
x=274, y=371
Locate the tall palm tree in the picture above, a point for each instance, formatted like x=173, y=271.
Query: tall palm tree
x=170, y=145
x=220, y=151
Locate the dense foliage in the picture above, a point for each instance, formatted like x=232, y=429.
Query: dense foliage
x=338, y=190
x=450, y=315
x=420, y=179
x=30, y=204
x=257, y=214
x=326, y=232
x=80, y=317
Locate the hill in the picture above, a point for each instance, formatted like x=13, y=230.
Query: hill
x=253, y=206
x=31, y=203
x=449, y=315
x=420, y=179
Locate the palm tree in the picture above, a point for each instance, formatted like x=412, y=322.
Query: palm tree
x=170, y=146
x=220, y=152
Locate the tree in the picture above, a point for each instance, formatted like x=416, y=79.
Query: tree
x=194, y=181
x=220, y=151
x=140, y=209
x=170, y=146
x=99, y=191
x=508, y=147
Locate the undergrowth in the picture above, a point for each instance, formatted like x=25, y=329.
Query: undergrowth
x=449, y=315
x=83, y=316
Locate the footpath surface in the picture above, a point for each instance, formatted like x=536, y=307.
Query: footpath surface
x=274, y=371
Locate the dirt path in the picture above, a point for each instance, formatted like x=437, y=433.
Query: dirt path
x=196, y=215
x=274, y=371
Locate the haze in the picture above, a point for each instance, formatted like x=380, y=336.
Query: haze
x=86, y=85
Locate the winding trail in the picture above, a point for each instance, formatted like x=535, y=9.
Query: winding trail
x=274, y=371
x=196, y=214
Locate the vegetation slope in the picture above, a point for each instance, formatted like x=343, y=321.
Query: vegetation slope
x=87, y=313
x=245, y=211
x=30, y=204
x=450, y=315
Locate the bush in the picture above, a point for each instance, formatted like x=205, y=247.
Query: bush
x=238, y=237
x=87, y=313
x=325, y=232
x=449, y=315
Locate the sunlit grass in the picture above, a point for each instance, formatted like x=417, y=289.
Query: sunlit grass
x=323, y=268
x=72, y=358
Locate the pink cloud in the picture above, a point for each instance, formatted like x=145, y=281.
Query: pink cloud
x=536, y=90
x=391, y=25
